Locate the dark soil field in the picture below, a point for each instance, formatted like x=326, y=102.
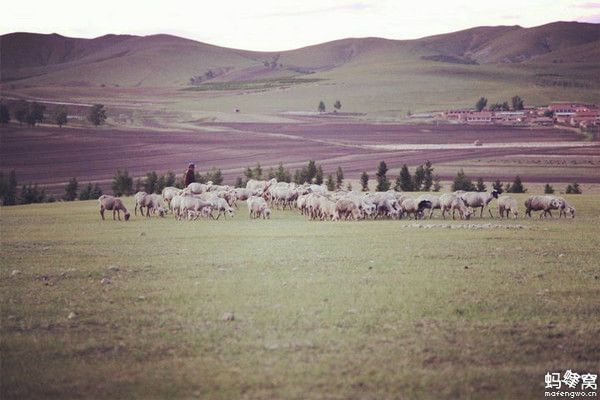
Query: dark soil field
x=50, y=156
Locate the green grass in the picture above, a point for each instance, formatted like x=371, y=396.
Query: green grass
x=369, y=309
x=260, y=84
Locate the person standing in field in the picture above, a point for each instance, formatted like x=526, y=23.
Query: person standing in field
x=190, y=175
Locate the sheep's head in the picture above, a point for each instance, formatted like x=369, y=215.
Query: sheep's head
x=127, y=215
x=161, y=211
x=267, y=213
x=572, y=211
x=468, y=212
x=495, y=194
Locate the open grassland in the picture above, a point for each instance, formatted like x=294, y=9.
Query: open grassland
x=370, y=309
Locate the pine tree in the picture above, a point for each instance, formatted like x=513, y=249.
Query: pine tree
x=548, y=189
x=480, y=186
x=573, y=189
x=436, y=184
x=428, y=176
x=419, y=177
x=86, y=192
x=60, y=115
x=257, y=172
x=339, y=178
x=330, y=183
x=497, y=186
x=321, y=107
x=151, y=182
x=311, y=171
x=8, y=188
x=462, y=182
x=122, y=183
x=239, y=182
x=96, y=192
x=71, y=190
x=364, y=181
x=516, y=186
x=4, y=114
x=383, y=184
x=319, y=176
x=404, y=182
x=249, y=174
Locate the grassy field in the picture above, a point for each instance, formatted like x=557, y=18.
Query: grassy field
x=371, y=309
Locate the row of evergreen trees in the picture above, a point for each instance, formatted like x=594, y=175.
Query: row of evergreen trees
x=123, y=184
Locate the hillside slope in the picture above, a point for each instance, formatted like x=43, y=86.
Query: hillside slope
x=162, y=60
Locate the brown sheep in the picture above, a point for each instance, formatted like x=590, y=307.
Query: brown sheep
x=113, y=204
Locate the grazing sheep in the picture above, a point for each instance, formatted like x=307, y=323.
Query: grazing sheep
x=542, y=203
x=113, y=204
x=222, y=207
x=565, y=208
x=434, y=200
x=194, y=204
x=197, y=188
x=451, y=201
x=139, y=198
x=479, y=200
x=260, y=185
x=415, y=207
x=346, y=208
x=243, y=194
x=266, y=213
x=152, y=203
x=256, y=206
x=506, y=204
x=168, y=193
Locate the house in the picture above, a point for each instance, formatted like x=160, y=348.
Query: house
x=481, y=117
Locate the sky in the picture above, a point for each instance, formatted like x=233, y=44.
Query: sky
x=282, y=24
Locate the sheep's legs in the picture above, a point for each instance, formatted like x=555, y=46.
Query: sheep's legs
x=102, y=213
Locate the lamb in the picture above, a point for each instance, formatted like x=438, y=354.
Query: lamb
x=256, y=207
x=451, y=201
x=565, y=208
x=479, y=200
x=113, y=204
x=542, y=203
x=506, y=204
x=415, y=207
x=266, y=213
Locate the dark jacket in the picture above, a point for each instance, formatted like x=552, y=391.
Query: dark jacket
x=189, y=177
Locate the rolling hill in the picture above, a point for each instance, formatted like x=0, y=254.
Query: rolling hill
x=557, y=60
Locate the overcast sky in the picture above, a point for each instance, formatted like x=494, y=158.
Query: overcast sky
x=281, y=24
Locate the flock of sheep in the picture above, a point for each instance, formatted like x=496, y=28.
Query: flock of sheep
x=317, y=203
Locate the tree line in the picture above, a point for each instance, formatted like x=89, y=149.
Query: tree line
x=123, y=184
x=33, y=113
x=516, y=102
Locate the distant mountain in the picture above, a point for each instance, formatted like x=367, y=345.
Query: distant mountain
x=163, y=60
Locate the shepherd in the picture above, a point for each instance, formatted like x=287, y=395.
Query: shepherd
x=190, y=175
